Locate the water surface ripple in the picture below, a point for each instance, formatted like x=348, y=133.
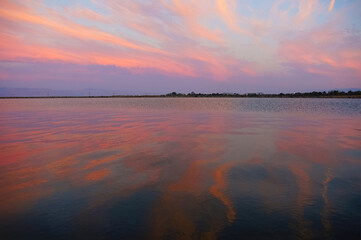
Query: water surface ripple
x=180, y=168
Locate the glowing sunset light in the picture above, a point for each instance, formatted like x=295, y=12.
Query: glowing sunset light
x=162, y=46
x=331, y=5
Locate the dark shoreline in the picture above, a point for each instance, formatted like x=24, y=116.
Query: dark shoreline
x=330, y=94
x=160, y=96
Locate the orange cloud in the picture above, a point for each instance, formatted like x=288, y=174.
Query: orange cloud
x=305, y=8
x=190, y=13
x=15, y=49
x=331, y=5
x=71, y=29
x=225, y=10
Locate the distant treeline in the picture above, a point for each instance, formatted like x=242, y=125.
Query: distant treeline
x=329, y=94
x=314, y=94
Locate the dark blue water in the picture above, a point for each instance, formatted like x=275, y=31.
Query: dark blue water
x=162, y=168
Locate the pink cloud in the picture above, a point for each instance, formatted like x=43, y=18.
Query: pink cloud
x=323, y=47
x=219, y=40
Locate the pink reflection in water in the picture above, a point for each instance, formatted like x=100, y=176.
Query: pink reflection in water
x=185, y=156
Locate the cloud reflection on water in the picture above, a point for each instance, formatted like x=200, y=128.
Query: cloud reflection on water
x=202, y=168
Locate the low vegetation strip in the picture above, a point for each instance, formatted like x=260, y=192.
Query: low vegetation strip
x=329, y=94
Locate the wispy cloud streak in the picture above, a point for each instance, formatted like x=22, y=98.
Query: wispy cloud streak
x=331, y=5
x=220, y=40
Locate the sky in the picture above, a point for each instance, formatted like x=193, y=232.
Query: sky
x=161, y=46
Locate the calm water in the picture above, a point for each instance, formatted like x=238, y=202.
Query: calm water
x=180, y=168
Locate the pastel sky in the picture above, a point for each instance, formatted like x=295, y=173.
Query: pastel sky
x=158, y=46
